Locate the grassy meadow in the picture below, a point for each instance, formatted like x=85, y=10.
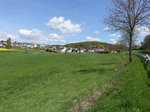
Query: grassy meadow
x=44, y=82
x=37, y=81
x=130, y=91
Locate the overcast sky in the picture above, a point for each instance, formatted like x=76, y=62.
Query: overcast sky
x=57, y=21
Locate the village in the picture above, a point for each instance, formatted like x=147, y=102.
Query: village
x=56, y=48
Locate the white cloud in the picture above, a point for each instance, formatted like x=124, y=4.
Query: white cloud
x=13, y=37
x=64, y=26
x=31, y=34
x=56, y=38
x=113, y=41
x=34, y=36
x=92, y=39
x=5, y=36
x=106, y=29
x=115, y=35
x=96, y=32
x=37, y=36
x=143, y=30
x=2, y=36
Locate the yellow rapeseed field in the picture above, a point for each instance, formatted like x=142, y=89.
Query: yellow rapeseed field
x=4, y=49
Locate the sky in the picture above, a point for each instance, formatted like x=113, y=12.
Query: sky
x=57, y=21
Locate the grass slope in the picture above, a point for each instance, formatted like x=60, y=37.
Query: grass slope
x=88, y=44
x=42, y=82
x=130, y=92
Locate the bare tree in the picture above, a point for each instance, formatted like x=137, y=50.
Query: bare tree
x=126, y=15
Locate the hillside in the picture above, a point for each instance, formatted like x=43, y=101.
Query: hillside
x=87, y=44
x=94, y=44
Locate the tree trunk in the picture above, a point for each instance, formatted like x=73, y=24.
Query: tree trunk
x=130, y=48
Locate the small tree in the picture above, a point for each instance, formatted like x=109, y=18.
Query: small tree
x=8, y=43
x=127, y=15
x=146, y=43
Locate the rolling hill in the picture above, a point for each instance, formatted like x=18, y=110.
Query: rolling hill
x=94, y=44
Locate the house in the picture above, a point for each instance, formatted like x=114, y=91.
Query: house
x=83, y=50
x=35, y=45
x=98, y=49
x=24, y=45
x=75, y=50
x=69, y=50
x=42, y=46
x=90, y=51
x=104, y=51
x=114, y=52
x=63, y=50
x=2, y=43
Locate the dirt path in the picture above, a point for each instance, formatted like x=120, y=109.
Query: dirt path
x=90, y=100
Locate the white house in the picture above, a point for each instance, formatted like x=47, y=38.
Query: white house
x=82, y=50
x=114, y=52
x=91, y=51
x=64, y=50
x=69, y=50
x=2, y=43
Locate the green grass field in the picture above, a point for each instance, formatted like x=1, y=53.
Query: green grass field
x=43, y=82
x=130, y=91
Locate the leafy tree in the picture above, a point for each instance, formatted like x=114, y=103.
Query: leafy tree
x=146, y=43
x=126, y=15
x=8, y=43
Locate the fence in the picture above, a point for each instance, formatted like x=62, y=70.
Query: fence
x=147, y=59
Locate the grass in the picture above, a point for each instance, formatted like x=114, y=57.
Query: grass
x=130, y=91
x=145, y=52
x=43, y=82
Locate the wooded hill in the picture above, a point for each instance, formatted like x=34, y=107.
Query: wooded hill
x=95, y=44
